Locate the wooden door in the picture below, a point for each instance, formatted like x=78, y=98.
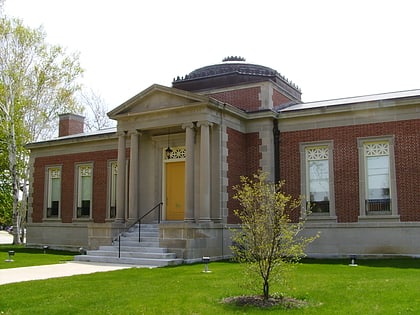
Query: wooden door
x=175, y=191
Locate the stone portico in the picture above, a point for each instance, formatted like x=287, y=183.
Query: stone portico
x=191, y=127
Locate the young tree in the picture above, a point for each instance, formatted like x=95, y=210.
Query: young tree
x=268, y=242
x=37, y=82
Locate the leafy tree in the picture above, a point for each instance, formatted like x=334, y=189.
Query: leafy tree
x=268, y=242
x=37, y=82
x=5, y=188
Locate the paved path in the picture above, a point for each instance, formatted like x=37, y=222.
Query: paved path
x=55, y=271
x=70, y=268
x=6, y=238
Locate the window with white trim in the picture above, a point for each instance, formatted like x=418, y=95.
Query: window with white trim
x=84, y=191
x=377, y=169
x=317, y=179
x=113, y=189
x=53, y=192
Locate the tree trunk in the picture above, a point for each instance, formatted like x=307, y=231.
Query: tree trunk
x=266, y=289
x=12, y=148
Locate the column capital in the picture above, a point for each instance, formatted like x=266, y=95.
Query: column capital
x=121, y=133
x=204, y=123
x=134, y=132
x=190, y=125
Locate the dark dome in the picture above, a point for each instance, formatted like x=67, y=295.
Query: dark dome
x=228, y=67
x=232, y=71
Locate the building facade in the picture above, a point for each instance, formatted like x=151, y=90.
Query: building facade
x=355, y=161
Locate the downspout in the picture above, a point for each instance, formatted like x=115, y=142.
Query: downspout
x=224, y=224
x=276, y=137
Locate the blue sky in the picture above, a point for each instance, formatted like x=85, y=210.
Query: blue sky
x=330, y=49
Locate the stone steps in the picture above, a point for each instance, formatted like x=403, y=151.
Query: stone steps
x=144, y=253
x=149, y=262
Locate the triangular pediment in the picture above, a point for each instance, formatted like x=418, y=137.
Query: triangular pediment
x=155, y=98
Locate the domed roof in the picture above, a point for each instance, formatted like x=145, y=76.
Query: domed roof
x=231, y=71
x=231, y=65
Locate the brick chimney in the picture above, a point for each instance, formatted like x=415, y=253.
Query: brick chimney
x=70, y=124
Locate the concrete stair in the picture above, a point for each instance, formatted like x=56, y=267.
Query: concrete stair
x=144, y=253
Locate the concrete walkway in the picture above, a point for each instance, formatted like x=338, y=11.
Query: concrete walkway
x=6, y=238
x=71, y=268
x=55, y=271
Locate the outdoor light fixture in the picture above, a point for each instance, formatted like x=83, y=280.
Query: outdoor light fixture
x=353, y=260
x=45, y=247
x=11, y=253
x=206, y=261
x=168, y=150
x=82, y=251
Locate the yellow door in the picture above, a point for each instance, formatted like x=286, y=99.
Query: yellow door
x=175, y=191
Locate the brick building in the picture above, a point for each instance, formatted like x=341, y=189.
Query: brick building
x=180, y=149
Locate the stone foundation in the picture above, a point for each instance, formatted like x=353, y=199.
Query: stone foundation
x=191, y=241
x=367, y=239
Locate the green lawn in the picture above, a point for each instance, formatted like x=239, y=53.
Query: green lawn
x=330, y=287
x=25, y=257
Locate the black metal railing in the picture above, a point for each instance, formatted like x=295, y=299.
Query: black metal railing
x=158, y=207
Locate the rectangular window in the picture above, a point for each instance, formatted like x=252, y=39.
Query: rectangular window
x=113, y=189
x=53, y=192
x=84, y=191
x=318, y=179
x=377, y=181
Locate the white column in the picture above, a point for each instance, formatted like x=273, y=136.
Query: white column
x=134, y=176
x=205, y=165
x=120, y=215
x=189, y=172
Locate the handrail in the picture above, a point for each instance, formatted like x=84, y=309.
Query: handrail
x=158, y=206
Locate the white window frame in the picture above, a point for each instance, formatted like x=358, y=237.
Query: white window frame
x=78, y=197
x=363, y=176
x=50, y=173
x=304, y=163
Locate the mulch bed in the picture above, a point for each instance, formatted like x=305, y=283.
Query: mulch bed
x=259, y=301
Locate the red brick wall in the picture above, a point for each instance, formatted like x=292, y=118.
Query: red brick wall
x=279, y=99
x=99, y=195
x=346, y=164
x=243, y=159
x=407, y=155
x=247, y=99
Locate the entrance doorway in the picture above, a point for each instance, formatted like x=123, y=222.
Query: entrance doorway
x=175, y=190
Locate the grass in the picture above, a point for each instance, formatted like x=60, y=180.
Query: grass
x=25, y=257
x=330, y=287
